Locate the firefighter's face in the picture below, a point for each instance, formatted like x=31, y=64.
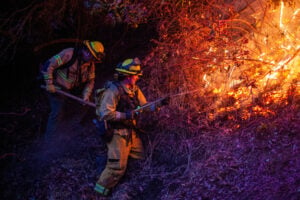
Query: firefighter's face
x=86, y=55
x=133, y=79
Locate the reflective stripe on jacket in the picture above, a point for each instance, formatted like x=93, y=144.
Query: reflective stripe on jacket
x=69, y=78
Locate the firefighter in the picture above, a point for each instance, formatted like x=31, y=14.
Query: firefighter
x=117, y=105
x=72, y=70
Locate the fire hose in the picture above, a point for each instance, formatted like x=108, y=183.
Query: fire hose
x=160, y=99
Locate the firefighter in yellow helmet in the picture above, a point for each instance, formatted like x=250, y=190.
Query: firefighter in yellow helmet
x=72, y=70
x=117, y=105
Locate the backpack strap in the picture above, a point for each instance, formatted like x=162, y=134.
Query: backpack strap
x=119, y=86
x=73, y=59
x=129, y=102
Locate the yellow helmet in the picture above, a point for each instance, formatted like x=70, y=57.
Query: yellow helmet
x=96, y=48
x=130, y=67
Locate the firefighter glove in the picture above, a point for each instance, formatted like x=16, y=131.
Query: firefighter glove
x=131, y=115
x=50, y=88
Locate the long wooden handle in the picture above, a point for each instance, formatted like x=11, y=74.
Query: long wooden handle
x=72, y=97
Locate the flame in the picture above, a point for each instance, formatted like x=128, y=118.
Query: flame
x=281, y=15
x=268, y=64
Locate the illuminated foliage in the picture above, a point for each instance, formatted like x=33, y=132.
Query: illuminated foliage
x=240, y=57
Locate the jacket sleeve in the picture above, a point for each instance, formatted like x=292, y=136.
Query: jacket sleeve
x=108, y=105
x=55, y=62
x=88, y=88
x=143, y=101
x=141, y=97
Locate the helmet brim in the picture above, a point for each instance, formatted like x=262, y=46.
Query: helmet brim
x=98, y=56
x=126, y=72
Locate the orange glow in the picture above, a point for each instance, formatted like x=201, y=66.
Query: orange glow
x=266, y=66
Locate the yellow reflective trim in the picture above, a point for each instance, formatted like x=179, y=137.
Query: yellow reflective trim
x=126, y=71
x=47, y=76
x=101, y=189
x=127, y=62
x=58, y=59
x=63, y=76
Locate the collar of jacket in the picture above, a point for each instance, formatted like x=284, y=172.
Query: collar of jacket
x=129, y=91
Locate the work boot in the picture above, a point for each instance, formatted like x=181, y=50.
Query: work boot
x=101, y=190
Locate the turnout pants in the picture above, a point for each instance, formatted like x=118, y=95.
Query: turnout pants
x=57, y=104
x=119, y=149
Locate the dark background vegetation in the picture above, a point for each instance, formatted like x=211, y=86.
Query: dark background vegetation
x=190, y=155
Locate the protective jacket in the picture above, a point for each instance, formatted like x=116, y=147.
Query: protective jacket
x=117, y=100
x=77, y=75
